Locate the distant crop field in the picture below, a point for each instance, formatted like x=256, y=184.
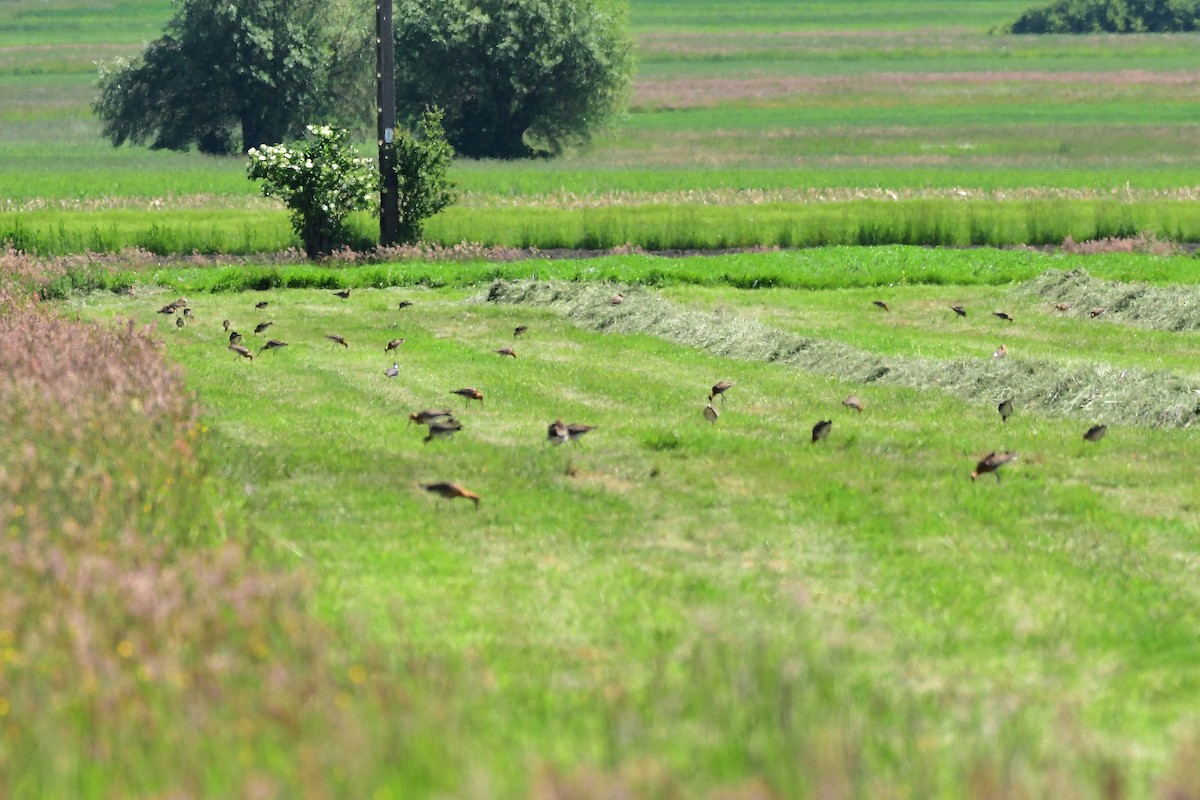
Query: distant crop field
x=865, y=97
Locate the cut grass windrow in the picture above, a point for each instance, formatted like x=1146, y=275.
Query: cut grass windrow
x=1167, y=308
x=1088, y=391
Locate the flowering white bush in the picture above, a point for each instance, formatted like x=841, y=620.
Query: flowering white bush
x=321, y=182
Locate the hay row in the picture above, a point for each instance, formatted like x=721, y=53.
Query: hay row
x=1093, y=392
x=1164, y=308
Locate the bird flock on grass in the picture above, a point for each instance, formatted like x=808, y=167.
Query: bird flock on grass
x=441, y=423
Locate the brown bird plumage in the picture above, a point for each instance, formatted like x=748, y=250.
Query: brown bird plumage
x=272, y=344
x=404, y=304
x=557, y=432
x=616, y=299
x=1002, y=315
x=578, y=429
x=261, y=304
x=1095, y=433
x=234, y=337
x=187, y=312
x=393, y=344
x=443, y=428
x=821, y=429
x=179, y=323
x=517, y=331
x=880, y=304
x=333, y=337
x=167, y=309
x=853, y=402
x=451, y=491
x=506, y=351
x=1006, y=409
x=244, y=352
x=1062, y=306
x=959, y=310
x=344, y=294
x=428, y=415
x=710, y=413
x=226, y=324
x=469, y=393
x=992, y=462
x=262, y=326
x=719, y=389
x=1000, y=352
x=1095, y=312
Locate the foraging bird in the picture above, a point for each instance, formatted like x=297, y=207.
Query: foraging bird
x=1002, y=316
x=959, y=310
x=234, y=337
x=333, y=337
x=1095, y=433
x=272, y=344
x=617, y=299
x=1095, y=312
x=393, y=370
x=393, y=344
x=821, y=429
x=261, y=304
x=1006, y=409
x=187, y=312
x=226, y=324
x=262, y=326
x=1061, y=306
x=404, y=304
x=557, y=432
x=710, y=413
x=437, y=430
x=517, y=331
x=344, y=294
x=428, y=415
x=450, y=491
x=242, y=351
x=470, y=394
x=506, y=351
x=992, y=462
x=179, y=323
x=853, y=402
x=167, y=309
x=880, y=304
x=180, y=303
x=1001, y=351
x=578, y=429
x=720, y=388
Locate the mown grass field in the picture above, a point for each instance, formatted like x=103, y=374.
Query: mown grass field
x=688, y=607
x=827, y=114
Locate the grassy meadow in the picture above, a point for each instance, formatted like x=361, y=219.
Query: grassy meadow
x=775, y=124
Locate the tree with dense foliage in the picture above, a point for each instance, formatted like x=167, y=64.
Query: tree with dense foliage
x=516, y=78
x=1111, y=16
x=227, y=75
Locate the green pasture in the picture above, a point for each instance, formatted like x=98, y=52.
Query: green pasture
x=774, y=96
x=694, y=606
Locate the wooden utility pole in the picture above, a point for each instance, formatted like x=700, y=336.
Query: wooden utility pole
x=385, y=107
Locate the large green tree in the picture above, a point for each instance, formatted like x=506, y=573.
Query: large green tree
x=515, y=78
x=226, y=75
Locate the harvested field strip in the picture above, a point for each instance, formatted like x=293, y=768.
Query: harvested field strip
x=1164, y=308
x=1095, y=391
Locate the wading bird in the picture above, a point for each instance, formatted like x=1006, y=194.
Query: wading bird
x=244, y=352
x=226, y=324
x=719, y=389
x=710, y=413
x=234, y=337
x=821, y=429
x=393, y=370
x=853, y=402
x=959, y=310
x=272, y=344
x=451, y=491
x=261, y=304
x=262, y=326
x=880, y=304
x=428, y=415
x=578, y=429
x=404, y=304
x=616, y=299
x=445, y=428
x=1001, y=352
x=1062, y=306
x=1095, y=433
x=393, y=344
x=179, y=323
x=1095, y=312
x=187, y=312
x=344, y=294
x=333, y=337
x=517, y=331
x=506, y=351
x=992, y=462
x=469, y=393
x=1002, y=315
x=1006, y=409
x=167, y=309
